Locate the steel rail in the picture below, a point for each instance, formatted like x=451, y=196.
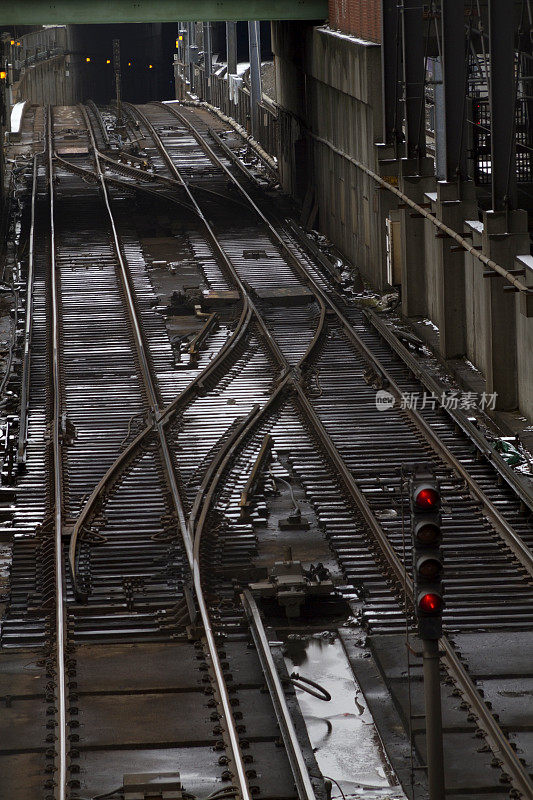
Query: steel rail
x=92, y=177
x=459, y=418
x=499, y=523
x=524, y=492
x=60, y=599
x=176, y=497
x=278, y=355
x=100, y=122
x=486, y=721
x=198, y=523
x=142, y=352
x=26, y=357
x=206, y=492
x=288, y=732
x=120, y=464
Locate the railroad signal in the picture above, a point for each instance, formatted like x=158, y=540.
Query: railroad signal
x=3, y=75
x=427, y=555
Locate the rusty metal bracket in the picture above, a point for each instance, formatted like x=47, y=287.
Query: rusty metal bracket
x=251, y=483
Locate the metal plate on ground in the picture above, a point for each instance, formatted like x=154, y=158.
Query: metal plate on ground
x=29, y=765
x=22, y=724
x=103, y=771
x=136, y=667
x=73, y=150
x=166, y=720
x=273, y=771
x=243, y=664
x=256, y=708
x=286, y=296
x=501, y=653
x=21, y=673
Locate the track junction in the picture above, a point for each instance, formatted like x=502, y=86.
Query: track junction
x=169, y=453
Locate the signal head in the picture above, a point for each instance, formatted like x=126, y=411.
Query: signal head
x=430, y=603
x=427, y=533
x=426, y=497
x=429, y=568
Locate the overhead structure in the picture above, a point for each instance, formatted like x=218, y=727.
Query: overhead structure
x=79, y=12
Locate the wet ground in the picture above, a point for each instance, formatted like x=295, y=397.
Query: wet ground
x=347, y=745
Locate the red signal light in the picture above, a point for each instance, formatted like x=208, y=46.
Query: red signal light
x=430, y=603
x=427, y=498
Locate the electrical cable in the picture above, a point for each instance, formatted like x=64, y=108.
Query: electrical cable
x=298, y=681
x=336, y=784
x=295, y=502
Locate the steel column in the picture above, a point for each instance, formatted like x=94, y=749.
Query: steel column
x=454, y=77
x=390, y=71
x=254, y=47
x=191, y=48
x=208, y=66
x=231, y=47
x=414, y=70
x=435, y=759
x=502, y=93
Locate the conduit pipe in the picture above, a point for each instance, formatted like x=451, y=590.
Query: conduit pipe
x=431, y=217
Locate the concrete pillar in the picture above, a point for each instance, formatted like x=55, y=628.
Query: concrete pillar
x=524, y=331
x=452, y=211
x=208, y=66
x=388, y=168
x=254, y=48
x=416, y=178
x=231, y=47
x=504, y=236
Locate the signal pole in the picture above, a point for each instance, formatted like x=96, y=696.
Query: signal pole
x=429, y=602
x=432, y=702
x=116, y=65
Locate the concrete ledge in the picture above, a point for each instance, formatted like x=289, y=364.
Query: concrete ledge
x=17, y=115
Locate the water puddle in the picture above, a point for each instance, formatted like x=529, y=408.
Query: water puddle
x=347, y=746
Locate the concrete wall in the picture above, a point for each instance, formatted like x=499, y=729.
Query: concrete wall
x=330, y=111
x=47, y=72
x=50, y=81
x=475, y=310
x=524, y=339
x=330, y=89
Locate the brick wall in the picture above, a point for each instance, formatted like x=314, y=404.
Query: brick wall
x=362, y=18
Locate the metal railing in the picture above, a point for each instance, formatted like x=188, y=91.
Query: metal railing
x=237, y=106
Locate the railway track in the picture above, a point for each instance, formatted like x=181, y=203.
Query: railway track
x=144, y=531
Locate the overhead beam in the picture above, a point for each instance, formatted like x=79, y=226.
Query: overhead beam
x=79, y=12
